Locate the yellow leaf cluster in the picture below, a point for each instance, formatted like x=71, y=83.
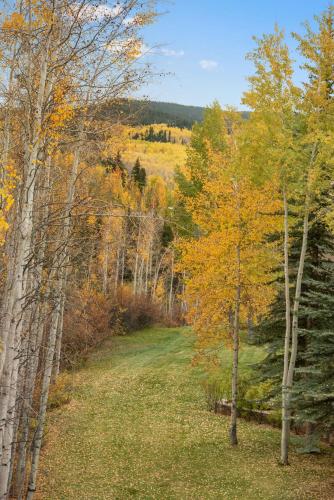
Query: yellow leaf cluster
x=14, y=22
x=235, y=219
x=7, y=187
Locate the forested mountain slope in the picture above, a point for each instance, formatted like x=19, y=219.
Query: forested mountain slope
x=140, y=112
x=150, y=112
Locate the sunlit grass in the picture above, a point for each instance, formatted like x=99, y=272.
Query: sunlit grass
x=157, y=158
x=138, y=427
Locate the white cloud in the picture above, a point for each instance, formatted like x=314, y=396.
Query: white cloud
x=172, y=53
x=99, y=12
x=208, y=64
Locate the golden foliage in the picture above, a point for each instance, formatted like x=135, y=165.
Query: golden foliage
x=235, y=217
x=157, y=158
x=7, y=199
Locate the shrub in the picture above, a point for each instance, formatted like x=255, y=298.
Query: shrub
x=136, y=312
x=257, y=396
x=89, y=319
x=60, y=391
x=217, y=386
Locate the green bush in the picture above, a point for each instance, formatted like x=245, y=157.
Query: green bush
x=217, y=386
x=256, y=397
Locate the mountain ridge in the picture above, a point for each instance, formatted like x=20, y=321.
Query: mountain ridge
x=141, y=112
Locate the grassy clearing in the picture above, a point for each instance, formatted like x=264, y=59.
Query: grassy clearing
x=138, y=427
x=158, y=158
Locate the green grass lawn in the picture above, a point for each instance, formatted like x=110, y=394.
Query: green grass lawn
x=138, y=427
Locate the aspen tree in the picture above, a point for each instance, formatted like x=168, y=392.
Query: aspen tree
x=230, y=264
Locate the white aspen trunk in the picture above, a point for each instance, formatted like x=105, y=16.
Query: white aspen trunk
x=135, y=275
x=117, y=270
x=20, y=393
x=236, y=326
x=12, y=329
x=294, y=340
x=156, y=274
x=123, y=267
x=294, y=326
x=146, y=271
x=8, y=430
x=140, y=277
x=285, y=403
x=15, y=363
x=170, y=299
x=35, y=345
x=37, y=443
x=56, y=366
x=12, y=325
x=150, y=266
x=64, y=255
x=105, y=269
x=33, y=342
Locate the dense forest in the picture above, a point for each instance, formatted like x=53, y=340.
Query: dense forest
x=139, y=112
x=118, y=214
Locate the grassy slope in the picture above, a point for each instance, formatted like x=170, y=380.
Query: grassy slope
x=158, y=158
x=138, y=427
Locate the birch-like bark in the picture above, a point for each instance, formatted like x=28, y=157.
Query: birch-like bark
x=49, y=357
x=11, y=331
x=295, y=316
x=35, y=345
x=285, y=403
x=236, y=327
x=60, y=326
x=11, y=326
x=170, y=298
x=118, y=255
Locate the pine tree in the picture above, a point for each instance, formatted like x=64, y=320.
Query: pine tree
x=314, y=390
x=313, y=395
x=138, y=175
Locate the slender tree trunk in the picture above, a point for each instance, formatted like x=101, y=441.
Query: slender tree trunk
x=170, y=299
x=105, y=269
x=118, y=255
x=60, y=325
x=49, y=357
x=236, y=326
x=285, y=393
x=35, y=345
x=122, y=267
x=288, y=373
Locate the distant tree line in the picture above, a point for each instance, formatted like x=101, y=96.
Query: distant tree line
x=161, y=135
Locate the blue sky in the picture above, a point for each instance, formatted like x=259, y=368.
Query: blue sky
x=202, y=44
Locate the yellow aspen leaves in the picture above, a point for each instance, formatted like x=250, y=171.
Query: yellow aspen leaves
x=235, y=217
x=7, y=187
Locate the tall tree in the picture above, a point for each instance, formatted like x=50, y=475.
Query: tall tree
x=229, y=264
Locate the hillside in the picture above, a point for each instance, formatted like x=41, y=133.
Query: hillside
x=178, y=115
x=139, y=112
x=158, y=158
x=138, y=427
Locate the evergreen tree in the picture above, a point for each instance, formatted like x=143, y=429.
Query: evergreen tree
x=114, y=164
x=313, y=394
x=167, y=235
x=313, y=391
x=138, y=175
